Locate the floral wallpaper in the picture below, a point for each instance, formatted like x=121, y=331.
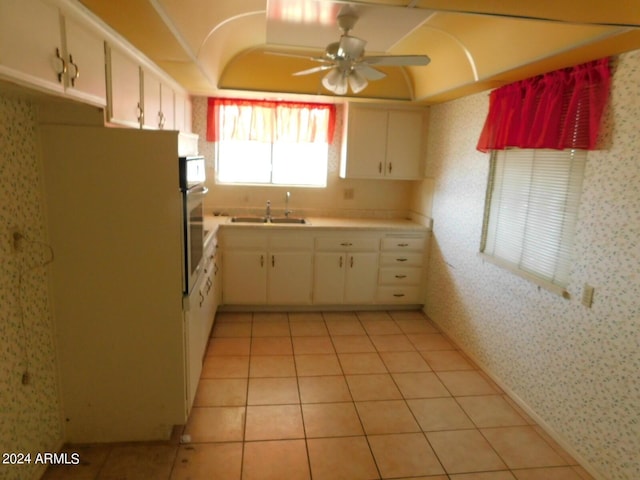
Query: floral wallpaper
x=577, y=369
x=29, y=411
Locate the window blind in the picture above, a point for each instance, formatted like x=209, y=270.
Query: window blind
x=531, y=210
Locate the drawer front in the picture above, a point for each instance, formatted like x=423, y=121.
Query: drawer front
x=400, y=276
x=400, y=294
x=347, y=244
x=401, y=259
x=291, y=242
x=244, y=241
x=398, y=244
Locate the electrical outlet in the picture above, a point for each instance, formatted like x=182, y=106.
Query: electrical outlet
x=348, y=193
x=587, y=295
x=16, y=241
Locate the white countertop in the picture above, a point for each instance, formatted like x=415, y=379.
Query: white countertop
x=212, y=223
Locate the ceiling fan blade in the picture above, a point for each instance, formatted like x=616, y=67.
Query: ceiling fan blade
x=352, y=47
x=309, y=71
x=294, y=55
x=368, y=72
x=399, y=60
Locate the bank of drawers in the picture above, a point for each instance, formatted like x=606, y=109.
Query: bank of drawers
x=401, y=269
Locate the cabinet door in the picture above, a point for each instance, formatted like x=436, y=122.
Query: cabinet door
x=124, y=89
x=244, y=276
x=361, y=280
x=151, y=104
x=29, y=37
x=329, y=276
x=404, y=144
x=366, y=143
x=290, y=278
x=86, y=66
x=167, y=107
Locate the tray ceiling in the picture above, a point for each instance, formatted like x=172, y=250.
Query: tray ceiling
x=225, y=47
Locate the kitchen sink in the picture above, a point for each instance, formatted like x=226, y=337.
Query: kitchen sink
x=249, y=219
x=288, y=220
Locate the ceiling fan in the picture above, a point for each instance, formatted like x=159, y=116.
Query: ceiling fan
x=347, y=65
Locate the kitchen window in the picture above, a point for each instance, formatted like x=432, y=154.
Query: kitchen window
x=538, y=132
x=532, y=204
x=271, y=142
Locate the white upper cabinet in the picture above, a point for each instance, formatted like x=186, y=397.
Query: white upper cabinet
x=158, y=102
x=138, y=97
x=382, y=143
x=42, y=48
x=124, y=106
x=85, y=79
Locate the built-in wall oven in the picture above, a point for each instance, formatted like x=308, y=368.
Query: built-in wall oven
x=192, y=179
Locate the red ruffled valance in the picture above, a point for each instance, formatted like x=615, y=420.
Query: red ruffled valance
x=557, y=110
x=269, y=121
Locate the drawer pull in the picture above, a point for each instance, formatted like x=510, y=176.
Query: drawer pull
x=340, y=261
x=351, y=262
x=399, y=295
x=403, y=244
x=401, y=276
x=262, y=260
x=346, y=244
x=401, y=259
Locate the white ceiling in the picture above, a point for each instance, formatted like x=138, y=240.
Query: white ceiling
x=312, y=23
x=217, y=47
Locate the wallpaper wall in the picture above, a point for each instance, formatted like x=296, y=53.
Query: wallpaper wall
x=370, y=198
x=576, y=368
x=29, y=414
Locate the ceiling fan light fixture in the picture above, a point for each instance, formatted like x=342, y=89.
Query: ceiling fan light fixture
x=357, y=82
x=335, y=81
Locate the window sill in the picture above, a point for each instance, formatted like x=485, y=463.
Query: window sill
x=540, y=282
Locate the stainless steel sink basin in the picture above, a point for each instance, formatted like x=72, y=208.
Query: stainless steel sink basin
x=248, y=219
x=298, y=220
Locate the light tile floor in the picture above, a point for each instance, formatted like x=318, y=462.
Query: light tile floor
x=338, y=395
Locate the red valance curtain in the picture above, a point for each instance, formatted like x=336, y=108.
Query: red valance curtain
x=557, y=110
x=269, y=121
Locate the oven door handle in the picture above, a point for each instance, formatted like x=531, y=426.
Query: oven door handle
x=198, y=191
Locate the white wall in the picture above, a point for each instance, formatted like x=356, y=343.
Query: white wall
x=371, y=198
x=577, y=368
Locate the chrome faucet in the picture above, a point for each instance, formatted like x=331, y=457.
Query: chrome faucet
x=286, y=204
x=268, y=213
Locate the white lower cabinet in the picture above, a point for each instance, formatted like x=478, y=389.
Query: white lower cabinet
x=261, y=268
x=346, y=268
x=199, y=312
x=401, y=274
x=343, y=267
